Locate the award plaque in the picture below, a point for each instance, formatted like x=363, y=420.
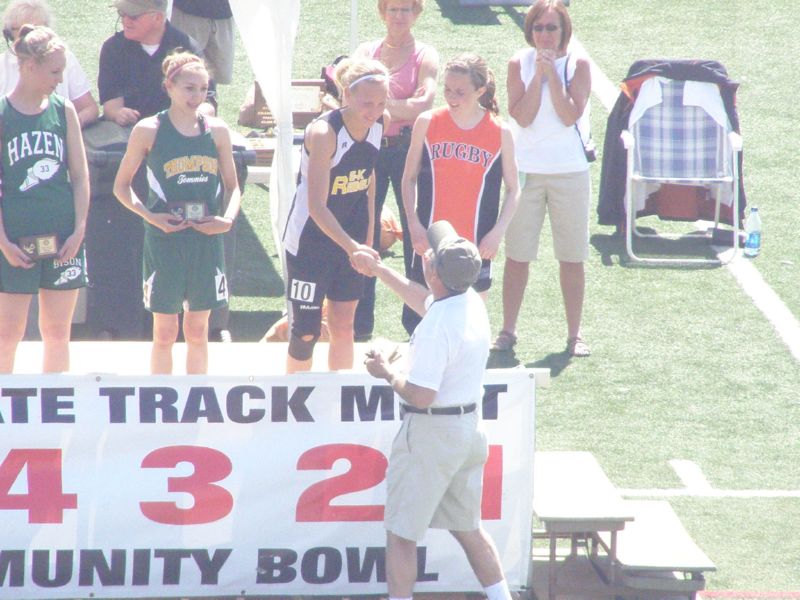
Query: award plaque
x=38, y=247
x=195, y=210
x=177, y=210
x=189, y=211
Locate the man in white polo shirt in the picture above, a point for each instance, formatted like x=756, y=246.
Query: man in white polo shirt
x=436, y=465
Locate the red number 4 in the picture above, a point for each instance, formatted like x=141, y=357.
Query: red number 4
x=45, y=500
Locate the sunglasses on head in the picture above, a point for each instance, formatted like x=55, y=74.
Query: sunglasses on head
x=549, y=27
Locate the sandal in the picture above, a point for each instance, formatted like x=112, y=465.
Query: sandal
x=577, y=347
x=504, y=341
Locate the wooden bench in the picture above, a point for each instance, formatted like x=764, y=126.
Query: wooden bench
x=656, y=553
x=573, y=498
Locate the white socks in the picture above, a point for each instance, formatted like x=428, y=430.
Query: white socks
x=498, y=591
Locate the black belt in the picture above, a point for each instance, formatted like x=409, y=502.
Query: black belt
x=395, y=140
x=445, y=410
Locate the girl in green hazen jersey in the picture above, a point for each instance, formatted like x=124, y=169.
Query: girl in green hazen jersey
x=193, y=199
x=44, y=204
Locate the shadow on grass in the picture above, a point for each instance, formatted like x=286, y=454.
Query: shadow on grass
x=556, y=362
x=517, y=15
x=250, y=326
x=256, y=274
x=475, y=15
x=612, y=250
x=502, y=360
x=610, y=247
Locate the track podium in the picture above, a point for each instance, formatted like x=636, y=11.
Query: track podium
x=126, y=486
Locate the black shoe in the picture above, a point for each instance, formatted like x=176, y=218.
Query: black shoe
x=362, y=337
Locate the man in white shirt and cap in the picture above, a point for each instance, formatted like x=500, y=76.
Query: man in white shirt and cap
x=436, y=465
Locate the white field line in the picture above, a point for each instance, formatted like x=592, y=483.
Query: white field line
x=747, y=276
x=687, y=493
x=697, y=485
x=768, y=302
x=690, y=474
x=602, y=87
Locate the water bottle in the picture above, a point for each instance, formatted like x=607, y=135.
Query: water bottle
x=752, y=245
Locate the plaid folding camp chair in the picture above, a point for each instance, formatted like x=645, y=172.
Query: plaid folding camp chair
x=680, y=145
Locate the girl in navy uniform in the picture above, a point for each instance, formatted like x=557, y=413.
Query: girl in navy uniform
x=194, y=198
x=330, y=218
x=45, y=200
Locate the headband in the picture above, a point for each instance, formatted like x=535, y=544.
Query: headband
x=368, y=77
x=177, y=68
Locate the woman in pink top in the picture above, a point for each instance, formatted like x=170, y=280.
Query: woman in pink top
x=413, y=68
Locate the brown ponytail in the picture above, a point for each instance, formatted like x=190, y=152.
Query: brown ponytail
x=488, y=100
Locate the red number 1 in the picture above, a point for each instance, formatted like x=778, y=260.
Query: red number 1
x=492, y=501
x=45, y=500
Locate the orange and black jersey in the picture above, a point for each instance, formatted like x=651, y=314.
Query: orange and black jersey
x=460, y=175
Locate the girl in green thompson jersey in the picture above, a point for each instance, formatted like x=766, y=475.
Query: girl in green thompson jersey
x=194, y=198
x=44, y=204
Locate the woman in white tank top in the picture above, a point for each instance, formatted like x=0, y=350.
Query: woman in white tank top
x=548, y=94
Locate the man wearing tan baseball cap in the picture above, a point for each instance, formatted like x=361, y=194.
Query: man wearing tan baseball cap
x=140, y=7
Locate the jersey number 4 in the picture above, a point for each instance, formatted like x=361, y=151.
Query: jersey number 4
x=221, y=285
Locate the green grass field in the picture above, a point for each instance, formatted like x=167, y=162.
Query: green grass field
x=683, y=365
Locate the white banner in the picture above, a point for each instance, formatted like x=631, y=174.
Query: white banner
x=126, y=487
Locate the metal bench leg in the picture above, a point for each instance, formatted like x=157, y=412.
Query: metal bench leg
x=551, y=574
x=612, y=555
x=593, y=547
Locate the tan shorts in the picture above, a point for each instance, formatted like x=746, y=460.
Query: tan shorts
x=566, y=197
x=435, y=475
x=215, y=38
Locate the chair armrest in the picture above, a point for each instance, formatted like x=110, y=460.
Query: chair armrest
x=735, y=140
x=627, y=139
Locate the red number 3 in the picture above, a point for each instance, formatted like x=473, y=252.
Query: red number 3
x=211, y=502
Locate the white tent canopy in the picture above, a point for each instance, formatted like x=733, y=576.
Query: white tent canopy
x=268, y=29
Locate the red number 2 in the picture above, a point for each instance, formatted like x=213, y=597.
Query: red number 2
x=211, y=502
x=367, y=469
x=45, y=500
